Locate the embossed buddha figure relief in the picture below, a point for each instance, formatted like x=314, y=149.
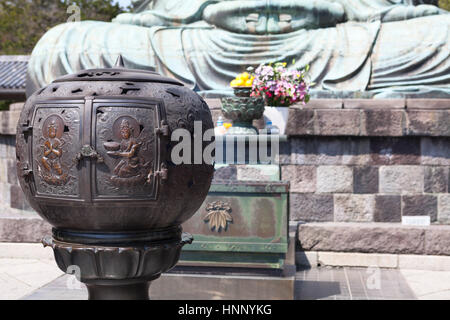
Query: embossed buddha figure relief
x=129, y=165
x=130, y=169
x=52, y=151
x=387, y=48
x=51, y=169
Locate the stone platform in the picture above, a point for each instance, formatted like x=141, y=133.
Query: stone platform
x=28, y=271
x=356, y=167
x=372, y=237
x=312, y=284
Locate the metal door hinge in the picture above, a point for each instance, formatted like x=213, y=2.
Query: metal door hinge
x=26, y=171
x=163, y=174
x=26, y=128
x=163, y=129
x=88, y=152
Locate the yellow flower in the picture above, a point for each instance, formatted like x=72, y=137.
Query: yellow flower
x=249, y=83
x=245, y=76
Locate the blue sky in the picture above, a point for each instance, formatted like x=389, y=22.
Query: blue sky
x=123, y=3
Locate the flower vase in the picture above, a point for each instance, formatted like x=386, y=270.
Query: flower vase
x=278, y=116
x=242, y=109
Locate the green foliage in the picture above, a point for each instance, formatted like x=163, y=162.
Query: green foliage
x=4, y=104
x=444, y=4
x=23, y=22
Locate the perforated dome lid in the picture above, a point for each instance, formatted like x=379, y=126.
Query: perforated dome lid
x=117, y=73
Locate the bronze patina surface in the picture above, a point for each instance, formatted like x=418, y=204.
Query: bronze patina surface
x=93, y=159
x=355, y=48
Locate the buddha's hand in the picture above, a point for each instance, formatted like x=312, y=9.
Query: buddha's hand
x=144, y=19
x=399, y=13
x=274, y=17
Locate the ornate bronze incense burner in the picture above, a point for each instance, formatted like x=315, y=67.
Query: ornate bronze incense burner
x=93, y=159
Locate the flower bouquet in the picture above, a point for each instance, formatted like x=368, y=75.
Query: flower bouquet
x=280, y=87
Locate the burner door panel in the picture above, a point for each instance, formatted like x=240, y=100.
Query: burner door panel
x=124, y=137
x=56, y=140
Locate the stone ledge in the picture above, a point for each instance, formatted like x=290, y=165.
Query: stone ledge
x=24, y=228
x=313, y=259
x=369, y=122
x=8, y=122
x=11, y=250
x=372, y=237
x=337, y=117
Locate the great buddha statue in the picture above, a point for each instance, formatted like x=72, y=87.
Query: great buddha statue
x=374, y=48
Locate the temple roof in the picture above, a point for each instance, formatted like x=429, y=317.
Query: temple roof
x=13, y=71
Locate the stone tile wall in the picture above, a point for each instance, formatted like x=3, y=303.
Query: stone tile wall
x=371, y=179
x=368, y=160
x=347, y=160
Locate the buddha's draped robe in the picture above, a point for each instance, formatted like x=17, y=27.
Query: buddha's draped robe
x=381, y=46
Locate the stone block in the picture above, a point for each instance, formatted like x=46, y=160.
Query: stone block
x=3, y=170
x=390, y=151
x=300, y=121
x=436, y=179
x=306, y=259
x=7, y=147
x=344, y=259
x=428, y=122
x=420, y=205
x=194, y=286
x=12, y=171
x=258, y=172
x=428, y=104
x=299, y=153
x=354, y=207
x=5, y=194
x=17, y=106
x=429, y=263
x=8, y=122
x=365, y=179
x=355, y=151
x=17, y=198
x=3, y=146
x=225, y=172
x=23, y=229
x=338, y=122
x=374, y=104
x=323, y=104
x=330, y=151
x=401, y=179
x=437, y=240
x=444, y=208
x=311, y=207
x=302, y=178
x=285, y=156
x=387, y=123
x=435, y=151
x=388, y=208
x=332, y=179
x=10, y=250
x=361, y=237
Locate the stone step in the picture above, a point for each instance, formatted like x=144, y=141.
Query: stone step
x=17, y=106
x=390, y=238
x=23, y=228
x=8, y=122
